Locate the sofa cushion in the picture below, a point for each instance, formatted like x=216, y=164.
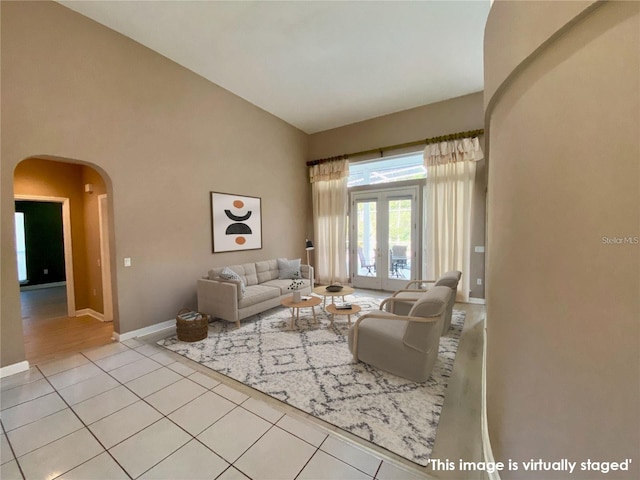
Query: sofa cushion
x=228, y=274
x=250, y=273
x=289, y=268
x=267, y=270
x=283, y=285
x=258, y=293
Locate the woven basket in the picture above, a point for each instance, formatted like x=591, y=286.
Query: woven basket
x=191, y=326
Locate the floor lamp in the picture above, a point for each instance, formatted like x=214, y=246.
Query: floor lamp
x=308, y=247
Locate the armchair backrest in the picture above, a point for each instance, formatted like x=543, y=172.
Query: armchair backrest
x=424, y=336
x=449, y=279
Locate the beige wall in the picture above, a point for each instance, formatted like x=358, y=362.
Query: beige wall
x=563, y=307
x=450, y=116
x=161, y=136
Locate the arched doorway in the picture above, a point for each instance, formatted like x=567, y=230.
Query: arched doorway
x=84, y=284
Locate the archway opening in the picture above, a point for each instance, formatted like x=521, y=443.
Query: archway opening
x=66, y=283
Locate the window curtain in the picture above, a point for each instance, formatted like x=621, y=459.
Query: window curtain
x=330, y=202
x=451, y=172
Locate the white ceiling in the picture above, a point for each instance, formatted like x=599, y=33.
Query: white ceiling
x=315, y=64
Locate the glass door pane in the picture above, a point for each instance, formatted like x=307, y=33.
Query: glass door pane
x=364, y=265
x=400, y=238
x=21, y=249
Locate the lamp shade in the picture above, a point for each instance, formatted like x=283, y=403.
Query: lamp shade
x=309, y=245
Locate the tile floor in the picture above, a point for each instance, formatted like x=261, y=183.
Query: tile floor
x=134, y=410
x=130, y=410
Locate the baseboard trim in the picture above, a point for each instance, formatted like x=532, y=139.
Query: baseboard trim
x=477, y=301
x=91, y=313
x=487, y=451
x=42, y=285
x=14, y=368
x=158, y=327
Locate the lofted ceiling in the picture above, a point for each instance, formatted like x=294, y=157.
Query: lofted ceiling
x=315, y=64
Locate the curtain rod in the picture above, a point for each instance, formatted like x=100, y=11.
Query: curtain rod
x=381, y=150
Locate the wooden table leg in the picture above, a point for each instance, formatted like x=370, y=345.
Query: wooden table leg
x=293, y=317
x=313, y=310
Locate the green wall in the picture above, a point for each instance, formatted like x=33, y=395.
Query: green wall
x=44, y=241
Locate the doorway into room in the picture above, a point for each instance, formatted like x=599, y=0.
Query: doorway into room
x=63, y=265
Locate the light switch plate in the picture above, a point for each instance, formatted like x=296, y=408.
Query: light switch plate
x=127, y=262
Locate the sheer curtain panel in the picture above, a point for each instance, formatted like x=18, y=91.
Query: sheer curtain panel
x=451, y=172
x=330, y=202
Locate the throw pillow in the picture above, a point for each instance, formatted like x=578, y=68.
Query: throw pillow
x=289, y=268
x=228, y=274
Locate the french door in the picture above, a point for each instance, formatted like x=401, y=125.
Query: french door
x=384, y=238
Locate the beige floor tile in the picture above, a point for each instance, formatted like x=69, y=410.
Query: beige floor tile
x=133, y=343
x=134, y=370
x=21, y=378
x=162, y=358
x=390, y=471
x=233, y=434
x=118, y=360
x=46, y=430
x=193, y=461
x=200, y=413
x=148, y=350
x=154, y=381
x=323, y=465
x=354, y=456
x=204, y=380
x=101, y=467
x=145, y=449
x=124, y=423
x=57, y=366
x=175, y=395
x=24, y=393
x=79, y=392
x=277, y=454
x=230, y=393
x=60, y=456
x=104, y=351
x=10, y=471
x=302, y=429
x=262, y=409
x=232, y=473
x=32, y=411
x=104, y=404
x=6, y=454
x=181, y=368
x=74, y=375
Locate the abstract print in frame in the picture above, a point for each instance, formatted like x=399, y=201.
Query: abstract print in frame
x=236, y=222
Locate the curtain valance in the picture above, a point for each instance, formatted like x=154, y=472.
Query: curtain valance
x=465, y=149
x=333, y=170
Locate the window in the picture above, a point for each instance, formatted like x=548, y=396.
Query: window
x=21, y=248
x=395, y=169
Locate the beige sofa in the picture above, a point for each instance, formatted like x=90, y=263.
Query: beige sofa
x=259, y=286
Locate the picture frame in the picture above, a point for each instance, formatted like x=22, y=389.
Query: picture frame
x=236, y=222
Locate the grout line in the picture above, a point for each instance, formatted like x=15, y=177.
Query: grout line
x=87, y=428
x=15, y=458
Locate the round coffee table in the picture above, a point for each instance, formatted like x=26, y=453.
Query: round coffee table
x=324, y=293
x=334, y=310
x=295, y=307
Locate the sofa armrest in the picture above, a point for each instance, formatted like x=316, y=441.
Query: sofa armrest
x=307, y=272
x=218, y=299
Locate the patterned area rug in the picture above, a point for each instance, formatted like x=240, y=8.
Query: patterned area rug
x=311, y=369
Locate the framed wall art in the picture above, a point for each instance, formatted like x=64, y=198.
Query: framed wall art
x=236, y=222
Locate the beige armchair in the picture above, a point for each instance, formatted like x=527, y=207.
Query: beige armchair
x=407, y=296
x=404, y=345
